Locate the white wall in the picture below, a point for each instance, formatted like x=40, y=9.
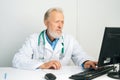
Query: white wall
x=93, y=16
x=84, y=19
x=20, y=18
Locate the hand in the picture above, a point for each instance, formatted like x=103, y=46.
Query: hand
x=90, y=64
x=54, y=64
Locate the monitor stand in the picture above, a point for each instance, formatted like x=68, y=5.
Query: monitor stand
x=115, y=75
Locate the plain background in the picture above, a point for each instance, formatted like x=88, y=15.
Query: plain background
x=85, y=20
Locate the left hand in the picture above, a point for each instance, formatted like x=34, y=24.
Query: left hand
x=53, y=64
x=90, y=64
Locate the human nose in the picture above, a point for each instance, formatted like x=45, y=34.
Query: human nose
x=60, y=25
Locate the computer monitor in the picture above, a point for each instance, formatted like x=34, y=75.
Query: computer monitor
x=110, y=49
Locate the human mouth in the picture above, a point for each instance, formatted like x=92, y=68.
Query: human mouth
x=59, y=30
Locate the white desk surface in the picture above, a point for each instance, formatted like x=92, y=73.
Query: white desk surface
x=63, y=74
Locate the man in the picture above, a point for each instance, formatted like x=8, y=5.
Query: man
x=51, y=49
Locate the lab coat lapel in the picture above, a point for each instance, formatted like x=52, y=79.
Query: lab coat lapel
x=47, y=45
x=58, y=47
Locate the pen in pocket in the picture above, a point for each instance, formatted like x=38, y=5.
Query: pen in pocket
x=5, y=76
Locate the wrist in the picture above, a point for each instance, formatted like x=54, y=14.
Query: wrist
x=84, y=63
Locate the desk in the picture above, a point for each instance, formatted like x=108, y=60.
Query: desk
x=62, y=74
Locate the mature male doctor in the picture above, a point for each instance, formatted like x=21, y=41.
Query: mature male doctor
x=51, y=49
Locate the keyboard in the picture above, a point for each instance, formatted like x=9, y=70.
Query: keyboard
x=91, y=73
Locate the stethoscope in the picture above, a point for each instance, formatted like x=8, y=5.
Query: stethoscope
x=41, y=35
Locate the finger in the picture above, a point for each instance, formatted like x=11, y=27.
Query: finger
x=53, y=66
x=57, y=64
x=96, y=63
x=45, y=66
x=49, y=65
x=93, y=65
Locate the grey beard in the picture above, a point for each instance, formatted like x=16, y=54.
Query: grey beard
x=53, y=34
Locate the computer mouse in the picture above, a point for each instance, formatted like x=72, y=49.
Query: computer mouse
x=50, y=76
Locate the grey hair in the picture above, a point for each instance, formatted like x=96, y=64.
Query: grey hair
x=51, y=10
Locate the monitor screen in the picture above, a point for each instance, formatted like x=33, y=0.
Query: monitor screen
x=110, y=48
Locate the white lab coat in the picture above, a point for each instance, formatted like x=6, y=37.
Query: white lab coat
x=30, y=56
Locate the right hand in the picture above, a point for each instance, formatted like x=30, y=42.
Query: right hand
x=53, y=64
x=90, y=64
